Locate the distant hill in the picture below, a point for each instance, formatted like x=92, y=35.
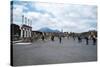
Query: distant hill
x=46, y=29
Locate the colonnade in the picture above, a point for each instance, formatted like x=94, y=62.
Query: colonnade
x=26, y=28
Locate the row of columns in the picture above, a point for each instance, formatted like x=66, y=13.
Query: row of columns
x=26, y=21
x=25, y=33
x=26, y=28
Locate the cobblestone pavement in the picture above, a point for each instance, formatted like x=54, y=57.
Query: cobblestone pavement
x=49, y=52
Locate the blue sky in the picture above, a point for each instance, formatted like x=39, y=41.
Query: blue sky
x=69, y=17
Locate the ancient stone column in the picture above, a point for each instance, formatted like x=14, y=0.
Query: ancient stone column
x=25, y=33
x=25, y=20
x=21, y=33
x=28, y=22
x=22, y=19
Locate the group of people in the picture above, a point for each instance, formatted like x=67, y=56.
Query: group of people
x=93, y=38
x=79, y=38
x=52, y=38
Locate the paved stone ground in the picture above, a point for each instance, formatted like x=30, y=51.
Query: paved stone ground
x=49, y=52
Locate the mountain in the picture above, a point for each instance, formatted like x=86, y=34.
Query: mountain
x=46, y=29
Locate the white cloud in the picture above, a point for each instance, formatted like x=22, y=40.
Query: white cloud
x=68, y=17
x=18, y=12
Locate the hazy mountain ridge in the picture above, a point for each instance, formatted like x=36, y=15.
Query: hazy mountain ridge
x=46, y=29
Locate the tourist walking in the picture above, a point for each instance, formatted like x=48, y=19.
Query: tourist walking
x=42, y=38
x=60, y=39
x=94, y=40
x=52, y=38
x=79, y=39
x=73, y=37
x=86, y=38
